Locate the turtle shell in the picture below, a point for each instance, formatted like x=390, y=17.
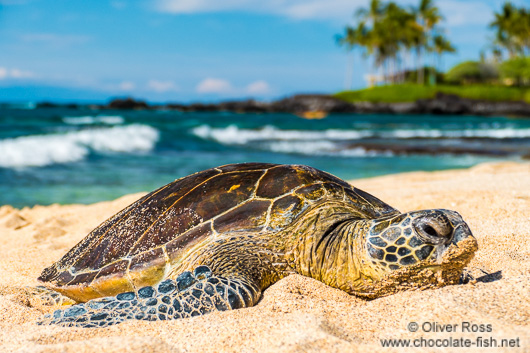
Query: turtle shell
x=137, y=246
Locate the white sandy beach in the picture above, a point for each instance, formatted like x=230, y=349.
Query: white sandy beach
x=299, y=314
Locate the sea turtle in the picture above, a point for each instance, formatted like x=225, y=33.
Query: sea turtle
x=216, y=239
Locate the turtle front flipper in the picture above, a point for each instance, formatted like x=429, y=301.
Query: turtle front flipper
x=191, y=294
x=46, y=296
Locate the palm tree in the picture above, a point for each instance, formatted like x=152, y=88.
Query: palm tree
x=374, y=12
x=370, y=37
x=358, y=37
x=503, y=23
x=428, y=16
x=411, y=34
x=387, y=32
x=441, y=45
x=513, y=29
x=389, y=37
x=384, y=39
x=351, y=40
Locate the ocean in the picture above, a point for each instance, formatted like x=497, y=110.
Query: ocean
x=60, y=155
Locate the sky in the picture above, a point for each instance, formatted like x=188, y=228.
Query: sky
x=197, y=50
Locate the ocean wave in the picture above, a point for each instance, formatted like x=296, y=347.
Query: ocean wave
x=41, y=150
x=311, y=143
x=89, y=120
x=232, y=134
x=321, y=148
x=501, y=133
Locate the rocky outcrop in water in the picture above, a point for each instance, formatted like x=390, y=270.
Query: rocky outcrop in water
x=453, y=104
x=127, y=104
x=440, y=104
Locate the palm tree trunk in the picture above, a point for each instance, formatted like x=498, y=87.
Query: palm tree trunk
x=421, y=78
x=348, y=80
x=434, y=65
x=405, y=64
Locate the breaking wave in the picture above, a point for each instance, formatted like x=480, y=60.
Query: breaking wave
x=320, y=148
x=350, y=143
x=312, y=143
x=89, y=120
x=41, y=150
x=232, y=134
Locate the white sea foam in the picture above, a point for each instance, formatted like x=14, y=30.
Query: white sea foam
x=231, y=134
x=501, y=133
x=320, y=148
x=303, y=147
x=234, y=135
x=312, y=143
x=333, y=142
x=41, y=150
x=99, y=119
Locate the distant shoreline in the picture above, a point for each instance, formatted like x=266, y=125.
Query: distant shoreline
x=441, y=104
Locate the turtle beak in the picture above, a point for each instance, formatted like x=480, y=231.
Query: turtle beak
x=443, y=229
x=461, y=230
x=461, y=236
x=460, y=233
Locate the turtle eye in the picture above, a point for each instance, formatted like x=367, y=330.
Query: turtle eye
x=429, y=230
x=433, y=228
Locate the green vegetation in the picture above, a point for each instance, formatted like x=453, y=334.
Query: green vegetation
x=516, y=71
x=413, y=92
x=389, y=34
x=472, y=72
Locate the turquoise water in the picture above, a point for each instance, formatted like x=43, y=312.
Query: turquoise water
x=58, y=155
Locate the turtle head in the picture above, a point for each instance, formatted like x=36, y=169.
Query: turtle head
x=420, y=249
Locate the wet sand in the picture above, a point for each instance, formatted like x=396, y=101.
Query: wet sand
x=299, y=314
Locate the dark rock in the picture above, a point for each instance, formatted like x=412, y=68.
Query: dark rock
x=127, y=104
x=444, y=104
x=47, y=105
x=175, y=106
x=201, y=107
x=58, y=105
x=453, y=104
x=312, y=102
x=246, y=106
x=440, y=104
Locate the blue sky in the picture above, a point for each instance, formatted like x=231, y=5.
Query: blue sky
x=195, y=50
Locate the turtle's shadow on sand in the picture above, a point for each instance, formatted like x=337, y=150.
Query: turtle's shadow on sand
x=490, y=277
x=480, y=275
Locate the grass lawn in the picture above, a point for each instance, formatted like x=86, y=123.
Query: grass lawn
x=412, y=92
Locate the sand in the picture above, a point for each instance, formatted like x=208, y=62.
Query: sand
x=299, y=314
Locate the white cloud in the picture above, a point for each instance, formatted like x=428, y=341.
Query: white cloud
x=214, y=85
x=258, y=87
x=298, y=9
x=192, y=6
x=16, y=74
x=320, y=9
x=127, y=86
x=161, y=86
x=456, y=12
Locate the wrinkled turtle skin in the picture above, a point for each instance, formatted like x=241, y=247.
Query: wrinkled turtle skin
x=216, y=239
